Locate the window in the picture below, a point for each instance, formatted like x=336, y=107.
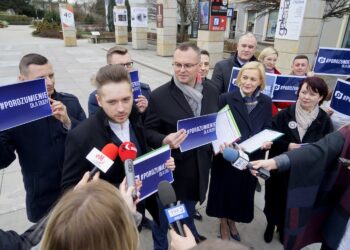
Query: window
x=346, y=41
x=250, y=20
x=233, y=25
x=271, y=25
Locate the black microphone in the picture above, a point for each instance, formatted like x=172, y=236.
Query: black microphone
x=240, y=162
x=167, y=197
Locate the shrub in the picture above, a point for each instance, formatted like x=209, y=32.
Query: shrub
x=89, y=19
x=52, y=17
x=3, y=24
x=16, y=19
x=48, y=29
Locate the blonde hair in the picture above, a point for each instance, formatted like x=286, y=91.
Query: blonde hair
x=253, y=65
x=266, y=52
x=93, y=217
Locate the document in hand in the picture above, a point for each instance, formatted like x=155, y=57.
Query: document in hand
x=255, y=142
x=150, y=169
x=226, y=129
x=23, y=102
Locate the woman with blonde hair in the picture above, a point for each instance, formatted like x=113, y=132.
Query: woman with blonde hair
x=268, y=57
x=231, y=191
x=92, y=217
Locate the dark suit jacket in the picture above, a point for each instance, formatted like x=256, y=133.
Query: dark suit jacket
x=222, y=72
x=40, y=148
x=167, y=106
x=96, y=132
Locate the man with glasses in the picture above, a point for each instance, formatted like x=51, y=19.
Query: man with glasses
x=120, y=55
x=184, y=96
x=246, y=48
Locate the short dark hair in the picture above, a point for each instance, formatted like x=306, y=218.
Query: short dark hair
x=111, y=73
x=205, y=52
x=119, y=50
x=317, y=85
x=188, y=45
x=29, y=59
x=300, y=57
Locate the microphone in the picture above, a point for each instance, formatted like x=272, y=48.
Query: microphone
x=167, y=197
x=102, y=160
x=240, y=160
x=127, y=153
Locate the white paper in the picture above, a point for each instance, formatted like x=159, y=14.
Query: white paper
x=120, y=17
x=139, y=17
x=255, y=142
x=226, y=129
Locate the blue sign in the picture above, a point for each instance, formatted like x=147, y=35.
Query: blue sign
x=286, y=88
x=150, y=169
x=234, y=74
x=176, y=213
x=22, y=103
x=332, y=61
x=340, y=101
x=136, y=86
x=200, y=130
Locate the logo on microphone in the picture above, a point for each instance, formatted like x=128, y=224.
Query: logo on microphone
x=176, y=213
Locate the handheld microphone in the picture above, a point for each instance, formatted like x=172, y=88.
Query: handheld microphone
x=102, y=160
x=241, y=162
x=167, y=197
x=127, y=153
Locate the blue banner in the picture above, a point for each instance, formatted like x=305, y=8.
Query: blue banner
x=200, y=130
x=332, y=61
x=22, y=103
x=150, y=169
x=176, y=213
x=340, y=101
x=278, y=87
x=136, y=86
x=286, y=88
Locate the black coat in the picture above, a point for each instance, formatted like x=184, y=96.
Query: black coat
x=40, y=148
x=276, y=186
x=231, y=191
x=168, y=105
x=96, y=132
x=222, y=72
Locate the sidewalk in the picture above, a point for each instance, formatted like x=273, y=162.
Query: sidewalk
x=73, y=68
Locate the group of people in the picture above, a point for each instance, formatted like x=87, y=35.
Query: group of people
x=56, y=163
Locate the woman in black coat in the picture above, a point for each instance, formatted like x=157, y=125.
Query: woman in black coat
x=303, y=122
x=231, y=192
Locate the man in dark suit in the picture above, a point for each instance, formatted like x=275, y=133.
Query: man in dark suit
x=246, y=48
x=120, y=55
x=40, y=144
x=184, y=96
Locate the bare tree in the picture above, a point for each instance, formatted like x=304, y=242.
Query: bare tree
x=334, y=8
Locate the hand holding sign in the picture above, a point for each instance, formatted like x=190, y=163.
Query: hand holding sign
x=170, y=164
x=59, y=111
x=175, y=139
x=141, y=103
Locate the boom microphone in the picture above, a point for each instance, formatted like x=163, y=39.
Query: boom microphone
x=128, y=153
x=241, y=161
x=167, y=197
x=103, y=159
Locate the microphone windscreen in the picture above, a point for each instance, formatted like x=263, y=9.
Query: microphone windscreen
x=230, y=154
x=127, y=150
x=166, y=193
x=110, y=150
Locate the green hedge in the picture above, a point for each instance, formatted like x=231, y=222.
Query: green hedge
x=16, y=19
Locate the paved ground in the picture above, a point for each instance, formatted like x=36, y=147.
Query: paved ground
x=73, y=69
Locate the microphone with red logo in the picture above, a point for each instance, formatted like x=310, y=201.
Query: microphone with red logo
x=127, y=153
x=104, y=159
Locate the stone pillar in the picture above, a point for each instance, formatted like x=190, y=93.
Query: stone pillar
x=139, y=34
x=121, y=27
x=308, y=41
x=213, y=42
x=166, y=35
x=68, y=25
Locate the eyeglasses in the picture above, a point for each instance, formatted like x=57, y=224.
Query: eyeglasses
x=127, y=65
x=187, y=66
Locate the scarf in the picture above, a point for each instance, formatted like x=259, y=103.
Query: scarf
x=304, y=118
x=193, y=95
x=251, y=101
